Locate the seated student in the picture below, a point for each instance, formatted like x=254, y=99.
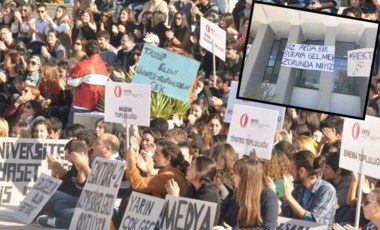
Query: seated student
x=255, y=205
x=310, y=198
x=170, y=162
x=201, y=174
x=62, y=203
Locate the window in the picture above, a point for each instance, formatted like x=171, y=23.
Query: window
x=341, y=83
x=274, y=61
x=308, y=78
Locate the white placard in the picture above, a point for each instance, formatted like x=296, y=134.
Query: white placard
x=287, y=223
x=35, y=200
x=311, y=57
x=211, y=32
x=232, y=100
x=359, y=62
x=125, y=102
x=95, y=206
x=143, y=211
x=185, y=213
x=22, y=160
x=360, y=146
x=252, y=128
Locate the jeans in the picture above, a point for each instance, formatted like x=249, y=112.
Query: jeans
x=62, y=205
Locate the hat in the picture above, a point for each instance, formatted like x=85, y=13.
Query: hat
x=152, y=38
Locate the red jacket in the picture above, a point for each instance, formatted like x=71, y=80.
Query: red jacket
x=89, y=77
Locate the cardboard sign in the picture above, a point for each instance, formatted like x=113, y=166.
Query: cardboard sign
x=22, y=161
x=185, y=213
x=232, y=100
x=359, y=62
x=210, y=33
x=287, y=223
x=252, y=129
x=167, y=72
x=311, y=57
x=96, y=202
x=126, y=102
x=35, y=200
x=360, y=146
x=143, y=212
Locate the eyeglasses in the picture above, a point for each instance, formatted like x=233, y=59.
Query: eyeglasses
x=32, y=62
x=40, y=11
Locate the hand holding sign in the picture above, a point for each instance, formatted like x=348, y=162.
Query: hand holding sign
x=224, y=227
x=337, y=226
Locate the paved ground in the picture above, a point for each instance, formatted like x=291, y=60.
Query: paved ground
x=8, y=223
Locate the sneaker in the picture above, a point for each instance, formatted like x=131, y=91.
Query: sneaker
x=46, y=221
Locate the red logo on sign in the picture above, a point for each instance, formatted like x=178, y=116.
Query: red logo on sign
x=244, y=120
x=356, y=130
x=118, y=91
x=208, y=28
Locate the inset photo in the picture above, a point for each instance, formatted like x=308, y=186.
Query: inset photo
x=309, y=60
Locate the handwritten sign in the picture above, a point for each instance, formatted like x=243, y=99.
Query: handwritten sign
x=287, y=224
x=167, y=72
x=22, y=161
x=127, y=102
x=311, y=57
x=360, y=146
x=142, y=212
x=252, y=129
x=95, y=205
x=35, y=200
x=185, y=213
x=232, y=100
x=212, y=33
x=359, y=62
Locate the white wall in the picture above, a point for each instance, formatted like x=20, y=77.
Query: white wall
x=306, y=98
x=345, y=104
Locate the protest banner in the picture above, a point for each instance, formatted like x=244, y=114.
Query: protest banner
x=359, y=62
x=21, y=163
x=96, y=202
x=311, y=57
x=232, y=100
x=142, y=212
x=360, y=146
x=167, y=72
x=185, y=213
x=126, y=102
x=35, y=200
x=213, y=38
x=251, y=129
x=293, y=224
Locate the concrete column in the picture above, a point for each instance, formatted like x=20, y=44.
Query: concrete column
x=286, y=77
x=257, y=60
x=326, y=78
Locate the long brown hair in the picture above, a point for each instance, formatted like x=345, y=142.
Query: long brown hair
x=248, y=194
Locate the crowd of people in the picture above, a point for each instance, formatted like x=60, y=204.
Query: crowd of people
x=55, y=66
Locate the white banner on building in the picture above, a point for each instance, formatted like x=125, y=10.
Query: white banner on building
x=35, y=200
x=310, y=57
x=360, y=146
x=252, y=129
x=359, y=62
x=232, y=100
x=213, y=33
x=95, y=206
x=125, y=102
x=143, y=212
